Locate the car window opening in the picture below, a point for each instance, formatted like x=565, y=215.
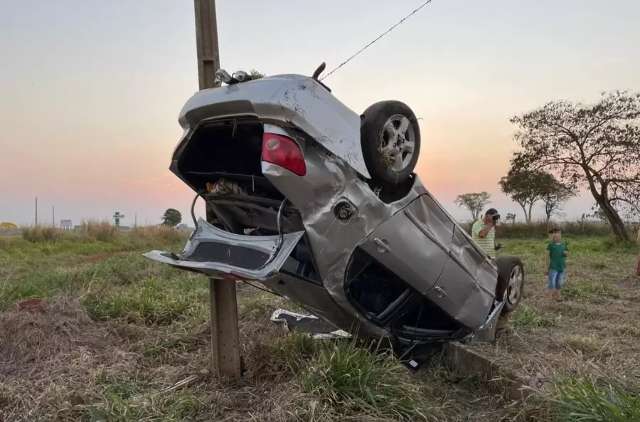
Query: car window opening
x=390, y=302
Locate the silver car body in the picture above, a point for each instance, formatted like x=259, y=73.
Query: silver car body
x=294, y=99
x=412, y=237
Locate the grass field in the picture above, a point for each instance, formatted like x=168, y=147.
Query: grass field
x=114, y=332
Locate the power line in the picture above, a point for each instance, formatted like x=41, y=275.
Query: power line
x=400, y=22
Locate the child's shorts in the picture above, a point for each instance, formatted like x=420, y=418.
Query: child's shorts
x=556, y=279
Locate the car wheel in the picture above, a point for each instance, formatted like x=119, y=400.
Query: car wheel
x=510, y=285
x=390, y=138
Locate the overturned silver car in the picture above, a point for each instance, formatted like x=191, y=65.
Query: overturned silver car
x=321, y=205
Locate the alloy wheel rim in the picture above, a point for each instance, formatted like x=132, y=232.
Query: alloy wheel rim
x=397, y=142
x=515, y=284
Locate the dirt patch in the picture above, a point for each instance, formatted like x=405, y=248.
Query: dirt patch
x=49, y=352
x=36, y=334
x=583, y=341
x=32, y=305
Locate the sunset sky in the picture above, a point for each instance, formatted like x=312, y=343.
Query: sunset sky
x=90, y=90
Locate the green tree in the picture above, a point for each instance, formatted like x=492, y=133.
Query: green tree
x=171, y=217
x=554, y=194
x=474, y=202
x=596, y=146
x=525, y=187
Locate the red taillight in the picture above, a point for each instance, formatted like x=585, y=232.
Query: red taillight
x=284, y=152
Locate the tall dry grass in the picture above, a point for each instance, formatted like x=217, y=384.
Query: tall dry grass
x=103, y=231
x=160, y=232
x=98, y=230
x=89, y=230
x=41, y=234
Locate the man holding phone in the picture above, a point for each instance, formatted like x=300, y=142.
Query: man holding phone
x=483, y=232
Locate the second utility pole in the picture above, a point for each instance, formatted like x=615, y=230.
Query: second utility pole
x=225, y=339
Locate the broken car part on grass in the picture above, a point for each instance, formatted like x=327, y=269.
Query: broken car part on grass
x=321, y=205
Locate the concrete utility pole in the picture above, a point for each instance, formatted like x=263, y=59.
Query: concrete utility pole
x=36, y=210
x=225, y=339
x=207, y=43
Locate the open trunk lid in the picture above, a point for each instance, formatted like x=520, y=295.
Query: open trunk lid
x=220, y=254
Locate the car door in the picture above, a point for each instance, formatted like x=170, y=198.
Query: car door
x=220, y=254
x=466, y=288
x=414, y=243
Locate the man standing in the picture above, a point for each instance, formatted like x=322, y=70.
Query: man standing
x=483, y=232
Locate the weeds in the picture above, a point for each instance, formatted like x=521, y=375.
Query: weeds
x=41, y=234
x=346, y=376
x=528, y=317
x=148, y=330
x=257, y=307
x=75, y=265
x=585, y=344
x=89, y=231
x=101, y=231
x=148, y=302
x=165, y=347
x=589, y=291
x=117, y=387
x=178, y=406
x=295, y=350
x=40, y=285
x=348, y=379
x=161, y=232
x=541, y=230
x=627, y=331
x=587, y=401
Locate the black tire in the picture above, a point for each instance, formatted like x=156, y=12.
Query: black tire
x=390, y=138
x=510, y=285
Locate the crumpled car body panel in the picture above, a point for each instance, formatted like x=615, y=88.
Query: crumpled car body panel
x=410, y=242
x=298, y=100
x=419, y=259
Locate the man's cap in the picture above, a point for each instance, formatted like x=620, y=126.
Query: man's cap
x=491, y=211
